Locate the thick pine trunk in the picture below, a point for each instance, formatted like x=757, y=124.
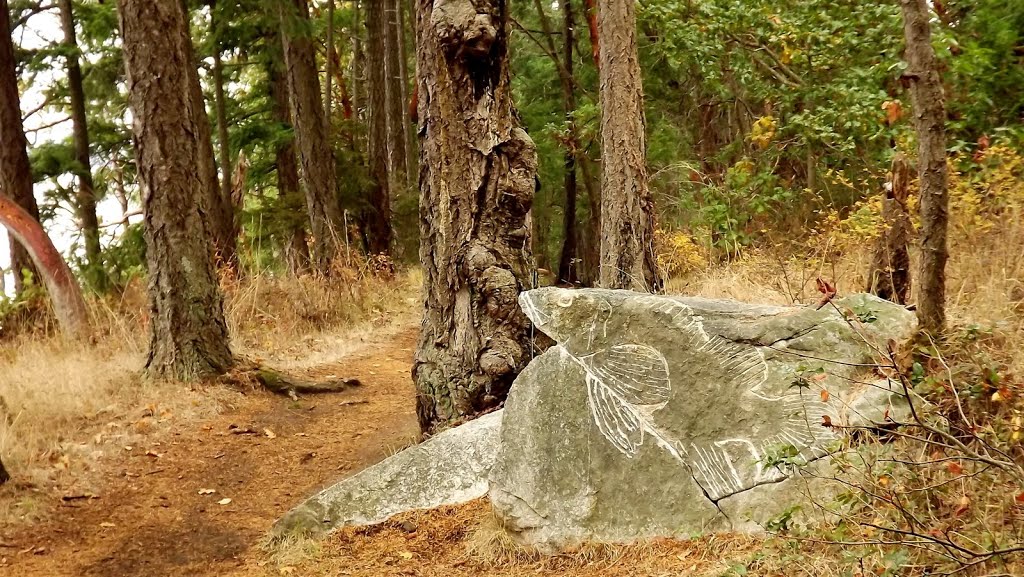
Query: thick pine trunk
x=377, y=219
x=930, y=120
x=15, y=171
x=316, y=159
x=477, y=179
x=188, y=335
x=297, y=251
x=627, y=211
x=85, y=197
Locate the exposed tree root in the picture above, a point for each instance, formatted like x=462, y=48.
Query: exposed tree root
x=253, y=375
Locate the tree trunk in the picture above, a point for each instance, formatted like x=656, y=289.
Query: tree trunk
x=627, y=211
x=65, y=294
x=411, y=168
x=219, y=220
x=397, y=144
x=889, y=275
x=592, y=27
x=357, y=61
x=929, y=117
x=329, y=75
x=478, y=174
x=15, y=171
x=316, y=159
x=188, y=335
x=230, y=226
x=86, y=196
x=377, y=220
x=297, y=249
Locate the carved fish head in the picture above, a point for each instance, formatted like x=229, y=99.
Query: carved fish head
x=566, y=315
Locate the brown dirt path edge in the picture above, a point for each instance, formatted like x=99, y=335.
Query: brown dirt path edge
x=151, y=520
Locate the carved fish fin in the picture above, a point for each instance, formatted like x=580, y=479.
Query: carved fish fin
x=617, y=421
x=636, y=374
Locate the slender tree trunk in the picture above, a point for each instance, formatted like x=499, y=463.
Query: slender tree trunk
x=478, y=174
x=189, y=337
x=397, y=143
x=377, y=220
x=411, y=168
x=357, y=61
x=288, y=173
x=627, y=211
x=930, y=119
x=595, y=38
x=15, y=171
x=86, y=196
x=590, y=272
x=316, y=159
x=889, y=275
x=228, y=221
x=219, y=219
x=329, y=76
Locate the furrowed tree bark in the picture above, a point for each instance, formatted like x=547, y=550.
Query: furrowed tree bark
x=397, y=143
x=627, y=211
x=316, y=159
x=216, y=210
x=929, y=118
x=477, y=177
x=15, y=170
x=85, y=205
x=889, y=275
x=228, y=236
x=188, y=334
x=288, y=171
x=377, y=218
x=65, y=294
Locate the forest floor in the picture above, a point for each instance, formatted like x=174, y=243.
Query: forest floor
x=198, y=498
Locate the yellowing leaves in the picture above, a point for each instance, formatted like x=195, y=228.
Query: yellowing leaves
x=763, y=132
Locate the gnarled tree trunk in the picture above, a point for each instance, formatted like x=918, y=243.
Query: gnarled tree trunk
x=477, y=179
x=627, y=211
x=15, y=171
x=188, y=334
x=316, y=159
x=65, y=294
x=930, y=119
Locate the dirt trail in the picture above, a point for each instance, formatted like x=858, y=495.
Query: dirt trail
x=152, y=520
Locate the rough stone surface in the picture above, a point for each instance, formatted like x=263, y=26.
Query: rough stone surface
x=447, y=469
x=658, y=416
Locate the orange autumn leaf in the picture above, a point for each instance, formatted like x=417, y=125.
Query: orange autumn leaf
x=824, y=396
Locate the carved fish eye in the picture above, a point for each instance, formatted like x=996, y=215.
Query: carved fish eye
x=565, y=300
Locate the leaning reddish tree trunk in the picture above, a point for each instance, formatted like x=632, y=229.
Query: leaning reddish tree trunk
x=65, y=293
x=627, y=211
x=930, y=120
x=477, y=179
x=188, y=334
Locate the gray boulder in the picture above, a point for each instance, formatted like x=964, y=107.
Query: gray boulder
x=447, y=469
x=663, y=416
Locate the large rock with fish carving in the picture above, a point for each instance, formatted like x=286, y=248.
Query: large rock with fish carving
x=663, y=416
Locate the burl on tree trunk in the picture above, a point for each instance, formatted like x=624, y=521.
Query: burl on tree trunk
x=66, y=295
x=476, y=186
x=889, y=275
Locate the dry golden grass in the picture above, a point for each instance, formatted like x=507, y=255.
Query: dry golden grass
x=67, y=406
